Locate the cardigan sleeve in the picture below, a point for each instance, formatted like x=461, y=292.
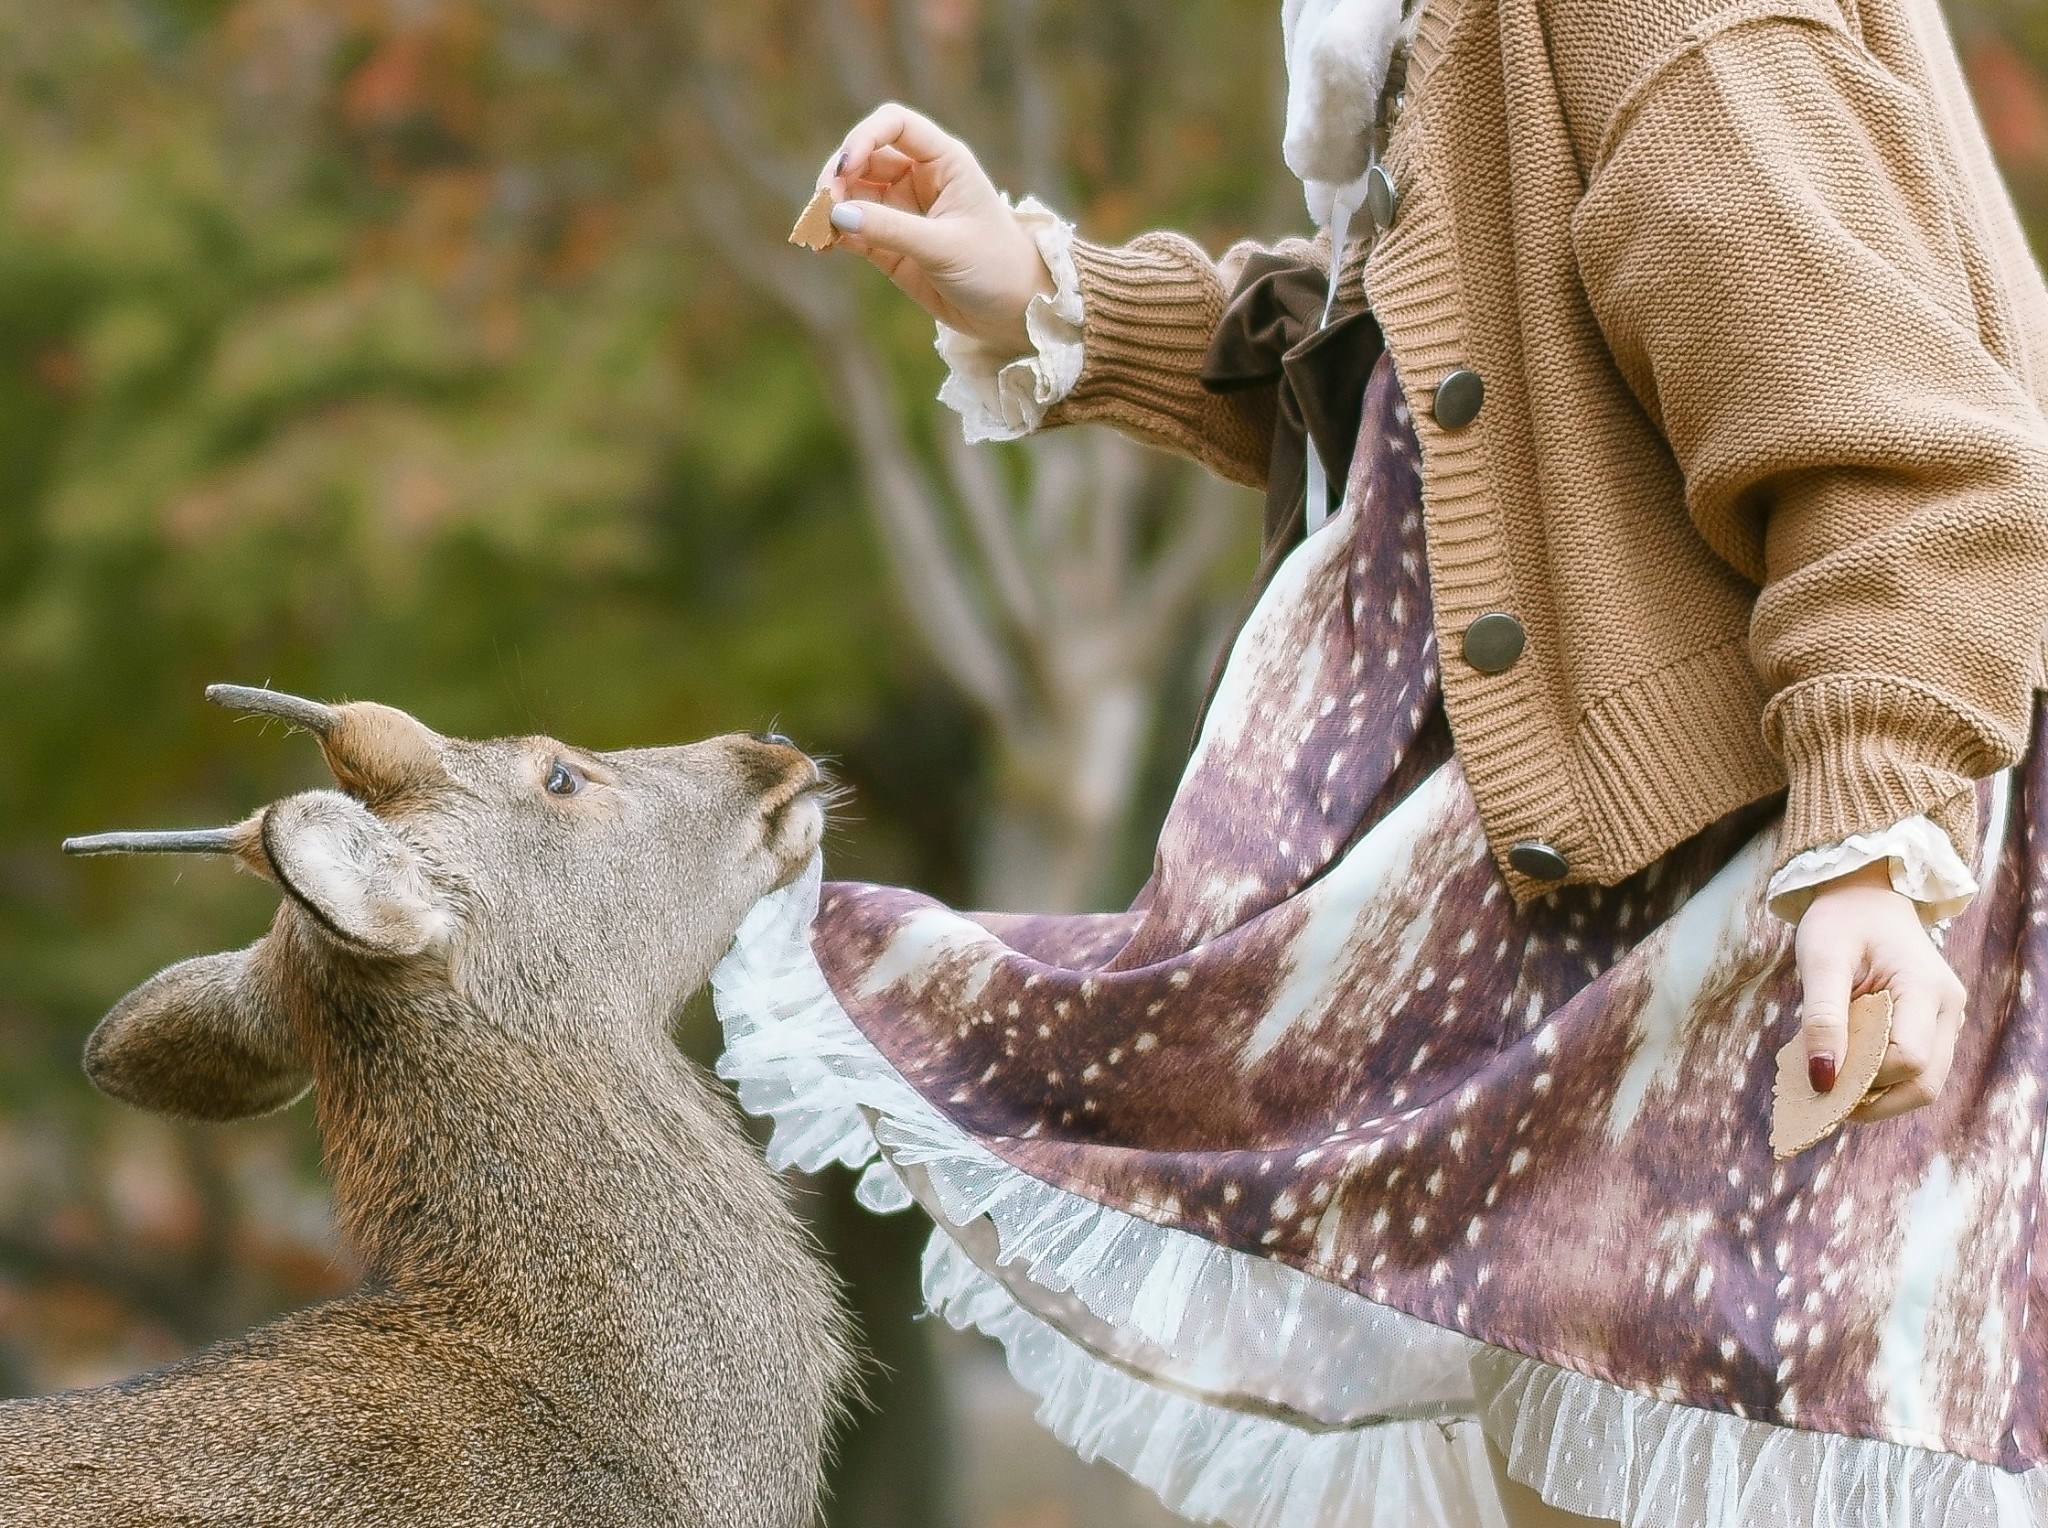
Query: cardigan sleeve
x=1149, y=311
x=1769, y=241
x=1145, y=314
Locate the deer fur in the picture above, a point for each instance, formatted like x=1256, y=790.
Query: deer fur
x=588, y=1302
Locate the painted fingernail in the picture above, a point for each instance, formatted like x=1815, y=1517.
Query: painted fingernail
x=839, y=165
x=1820, y=1072
x=846, y=217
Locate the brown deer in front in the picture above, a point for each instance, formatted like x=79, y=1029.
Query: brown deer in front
x=588, y=1302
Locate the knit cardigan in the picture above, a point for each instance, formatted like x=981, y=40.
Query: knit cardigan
x=1761, y=465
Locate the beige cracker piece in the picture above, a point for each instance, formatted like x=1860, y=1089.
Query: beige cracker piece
x=1802, y=1118
x=814, y=229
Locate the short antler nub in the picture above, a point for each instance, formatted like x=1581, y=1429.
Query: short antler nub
x=178, y=841
x=373, y=750
x=311, y=714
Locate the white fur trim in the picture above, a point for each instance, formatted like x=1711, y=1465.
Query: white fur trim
x=1338, y=53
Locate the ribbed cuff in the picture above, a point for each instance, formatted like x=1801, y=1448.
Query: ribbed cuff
x=1150, y=310
x=1867, y=752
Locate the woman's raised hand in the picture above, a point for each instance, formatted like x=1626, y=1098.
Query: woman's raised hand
x=1858, y=936
x=914, y=201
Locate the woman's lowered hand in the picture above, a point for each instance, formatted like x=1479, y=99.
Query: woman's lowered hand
x=913, y=200
x=1859, y=936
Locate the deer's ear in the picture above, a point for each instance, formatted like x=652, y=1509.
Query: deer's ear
x=363, y=882
x=204, y=1040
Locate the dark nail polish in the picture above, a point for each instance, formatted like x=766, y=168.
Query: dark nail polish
x=1820, y=1072
x=845, y=159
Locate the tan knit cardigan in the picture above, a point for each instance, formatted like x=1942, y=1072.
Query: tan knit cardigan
x=1761, y=466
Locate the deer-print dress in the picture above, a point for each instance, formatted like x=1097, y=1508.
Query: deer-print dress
x=1263, y=1181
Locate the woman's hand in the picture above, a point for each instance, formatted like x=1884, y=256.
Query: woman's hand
x=914, y=201
x=1859, y=936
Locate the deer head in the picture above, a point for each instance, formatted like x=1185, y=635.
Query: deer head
x=554, y=890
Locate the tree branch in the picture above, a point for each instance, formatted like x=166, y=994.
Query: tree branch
x=914, y=53
x=798, y=282
x=1110, y=521
x=858, y=58
x=1035, y=120
x=912, y=524
x=1058, y=482
x=993, y=520
x=1170, y=591
x=743, y=143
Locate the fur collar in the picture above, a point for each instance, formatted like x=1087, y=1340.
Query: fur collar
x=1338, y=56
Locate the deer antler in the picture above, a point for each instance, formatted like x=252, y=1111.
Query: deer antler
x=318, y=719
x=174, y=841
x=373, y=750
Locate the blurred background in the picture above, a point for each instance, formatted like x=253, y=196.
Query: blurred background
x=447, y=353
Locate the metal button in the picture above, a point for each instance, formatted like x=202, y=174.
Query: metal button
x=1458, y=398
x=1382, y=198
x=1494, y=642
x=1539, y=862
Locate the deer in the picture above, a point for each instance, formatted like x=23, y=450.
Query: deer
x=588, y=1301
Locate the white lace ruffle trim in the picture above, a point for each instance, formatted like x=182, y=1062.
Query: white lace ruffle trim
x=1243, y=1391
x=1000, y=397
x=1924, y=866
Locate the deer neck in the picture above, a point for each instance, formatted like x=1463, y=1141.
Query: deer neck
x=596, y=1208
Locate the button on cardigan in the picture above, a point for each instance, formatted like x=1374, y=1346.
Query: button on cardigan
x=1761, y=466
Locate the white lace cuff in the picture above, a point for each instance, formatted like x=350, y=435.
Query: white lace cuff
x=999, y=396
x=1924, y=866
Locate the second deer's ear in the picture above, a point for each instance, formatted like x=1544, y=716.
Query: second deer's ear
x=360, y=880
x=205, y=1040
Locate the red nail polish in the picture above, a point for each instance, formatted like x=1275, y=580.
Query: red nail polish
x=1820, y=1072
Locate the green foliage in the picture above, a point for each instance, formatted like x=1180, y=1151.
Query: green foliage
x=292, y=389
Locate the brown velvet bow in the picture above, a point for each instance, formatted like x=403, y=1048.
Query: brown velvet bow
x=1268, y=338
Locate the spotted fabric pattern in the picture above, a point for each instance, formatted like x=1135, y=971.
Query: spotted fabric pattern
x=1325, y=1034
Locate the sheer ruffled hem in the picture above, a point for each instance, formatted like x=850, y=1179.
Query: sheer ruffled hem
x=1608, y=1453
x=1243, y=1391
x=1211, y=1464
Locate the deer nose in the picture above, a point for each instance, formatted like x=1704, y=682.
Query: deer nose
x=776, y=764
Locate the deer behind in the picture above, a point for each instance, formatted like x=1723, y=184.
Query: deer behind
x=588, y=1302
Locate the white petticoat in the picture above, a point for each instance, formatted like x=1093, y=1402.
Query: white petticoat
x=1243, y=1391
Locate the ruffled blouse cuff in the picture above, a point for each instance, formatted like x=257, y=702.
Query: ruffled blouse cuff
x=1924, y=866
x=1001, y=396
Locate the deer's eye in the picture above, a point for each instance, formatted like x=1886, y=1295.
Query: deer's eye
x=565, y=779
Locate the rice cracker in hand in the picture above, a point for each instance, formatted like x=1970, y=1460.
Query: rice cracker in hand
x=1802, y=1118
x=814, y=229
